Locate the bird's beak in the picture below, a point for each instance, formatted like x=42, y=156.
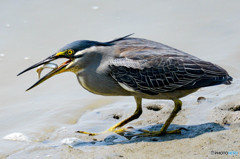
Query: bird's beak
x=58, y=70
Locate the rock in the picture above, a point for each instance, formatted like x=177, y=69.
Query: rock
x=235, y=108
x=201, y=99
x=154, y=107
x=117, y=116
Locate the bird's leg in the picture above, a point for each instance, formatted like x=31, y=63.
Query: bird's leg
x=135, y=115
x=177, y=108
x=116, y=127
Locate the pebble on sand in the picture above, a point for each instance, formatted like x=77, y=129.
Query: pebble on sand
x=16, y=137
x=201, y=99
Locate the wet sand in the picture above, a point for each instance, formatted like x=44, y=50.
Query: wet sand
x=41, y=123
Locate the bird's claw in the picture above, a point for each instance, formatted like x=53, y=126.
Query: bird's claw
x=88, y=133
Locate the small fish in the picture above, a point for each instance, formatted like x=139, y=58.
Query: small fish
x=48, y=65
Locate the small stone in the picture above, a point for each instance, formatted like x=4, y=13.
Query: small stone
x=2, y=55
x=117, y=116
x=201, y=99
x=235, y=108
x=26, y=58
x=154, y=107
x=16, y=137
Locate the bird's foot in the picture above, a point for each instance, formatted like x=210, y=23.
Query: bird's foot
x=117, y=131
x=160, y=133
x=88, y=133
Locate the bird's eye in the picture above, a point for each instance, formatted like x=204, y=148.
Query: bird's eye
x=70, y=52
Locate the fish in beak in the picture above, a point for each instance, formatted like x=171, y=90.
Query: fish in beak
x=46, y=64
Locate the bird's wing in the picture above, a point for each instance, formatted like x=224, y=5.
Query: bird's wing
x=148, y=71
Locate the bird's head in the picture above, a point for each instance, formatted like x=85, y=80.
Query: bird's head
x=73, y=52
x=77, y=57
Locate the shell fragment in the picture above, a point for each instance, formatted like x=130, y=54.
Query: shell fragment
x=48, y=65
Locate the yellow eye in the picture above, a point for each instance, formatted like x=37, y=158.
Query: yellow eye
x=70, y=52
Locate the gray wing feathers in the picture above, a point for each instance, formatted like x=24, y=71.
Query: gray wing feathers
x=152, y=68
x=165, y=74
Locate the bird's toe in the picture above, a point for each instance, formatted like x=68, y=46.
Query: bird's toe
x=88, y=133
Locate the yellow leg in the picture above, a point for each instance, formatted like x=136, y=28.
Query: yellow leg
x=135, y=115
x=177, y=108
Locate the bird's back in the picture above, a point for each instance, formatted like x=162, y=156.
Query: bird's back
x=152, y=68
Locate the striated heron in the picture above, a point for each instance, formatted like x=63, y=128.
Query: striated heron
x=135, y=67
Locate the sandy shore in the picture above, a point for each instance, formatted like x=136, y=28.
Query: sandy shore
x=208, y=140
x=209, y=145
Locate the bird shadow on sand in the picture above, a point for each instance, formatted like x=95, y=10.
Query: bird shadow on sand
x=191, y=131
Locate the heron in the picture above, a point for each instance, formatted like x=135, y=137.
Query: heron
x=137, y=67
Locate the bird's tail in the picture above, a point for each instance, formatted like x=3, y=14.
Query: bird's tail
x=228, y=80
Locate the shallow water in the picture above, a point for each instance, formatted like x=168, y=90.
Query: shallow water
x=32, y=30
